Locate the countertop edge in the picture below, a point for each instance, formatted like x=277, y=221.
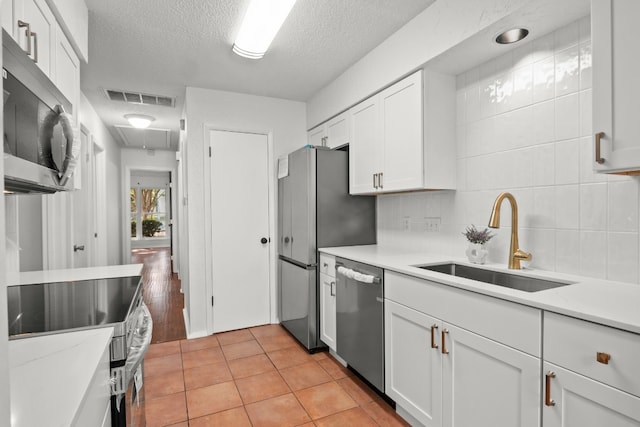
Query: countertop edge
x=594, y=300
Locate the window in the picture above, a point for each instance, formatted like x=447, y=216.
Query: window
x=148, y=213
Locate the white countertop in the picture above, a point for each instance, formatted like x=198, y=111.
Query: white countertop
x=72, y=274
x=51, y=374
x=610, y=303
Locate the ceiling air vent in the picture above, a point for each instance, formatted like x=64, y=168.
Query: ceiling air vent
x=139, y=98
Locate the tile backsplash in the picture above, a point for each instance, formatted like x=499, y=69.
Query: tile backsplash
x=524, y=126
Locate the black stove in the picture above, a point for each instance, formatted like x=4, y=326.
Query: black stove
x=47, y=308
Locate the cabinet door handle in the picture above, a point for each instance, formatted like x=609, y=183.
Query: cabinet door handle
x=603, y=358
x=434, y=327
x=375, y=182
x=27, y=33
x=548, y=401
x=444, y=347
x=599, y=158
x=35, y=46
x=380, y=180
x=333, y=289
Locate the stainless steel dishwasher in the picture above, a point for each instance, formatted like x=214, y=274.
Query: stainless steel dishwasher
x=360, y=319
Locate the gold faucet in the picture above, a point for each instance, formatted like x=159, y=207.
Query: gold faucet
x=515, y=253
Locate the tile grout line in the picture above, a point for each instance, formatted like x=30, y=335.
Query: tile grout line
x=244, y=405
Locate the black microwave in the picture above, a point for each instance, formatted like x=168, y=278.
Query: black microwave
x=39, y=143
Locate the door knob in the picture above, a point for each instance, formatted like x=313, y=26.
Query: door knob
x=264, y=240
x=286, y=240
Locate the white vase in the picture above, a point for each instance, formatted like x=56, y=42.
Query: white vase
x=477, y=253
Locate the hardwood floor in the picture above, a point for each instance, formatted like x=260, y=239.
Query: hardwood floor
x=161, y=293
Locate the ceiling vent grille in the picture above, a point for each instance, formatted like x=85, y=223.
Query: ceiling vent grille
x=139, y=98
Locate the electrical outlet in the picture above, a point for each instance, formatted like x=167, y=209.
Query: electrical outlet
x=406, y=223
x=432, y=224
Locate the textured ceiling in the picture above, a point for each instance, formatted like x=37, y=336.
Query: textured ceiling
x=161, y=46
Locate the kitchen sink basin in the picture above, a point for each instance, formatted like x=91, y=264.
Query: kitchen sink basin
x=507, y=280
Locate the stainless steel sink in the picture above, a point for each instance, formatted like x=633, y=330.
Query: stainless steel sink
x=513, y=281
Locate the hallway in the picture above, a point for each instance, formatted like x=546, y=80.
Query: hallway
x=161, y=292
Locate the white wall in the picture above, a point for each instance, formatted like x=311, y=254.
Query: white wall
x=109, y=218
x=524, y=126
x=284, y=121
x=141, y=160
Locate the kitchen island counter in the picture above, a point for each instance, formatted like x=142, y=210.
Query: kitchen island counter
x=601, y=301
x=52, y=377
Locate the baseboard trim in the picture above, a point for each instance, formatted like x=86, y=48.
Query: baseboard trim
x=407, y=416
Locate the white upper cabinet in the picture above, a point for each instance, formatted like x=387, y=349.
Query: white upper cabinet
x=67, y=71
x=401, y=119
x=338, y=131
x=403, y=138
x=333, y=133
x=365, y=148
x=73, y=18
x=33, y=26
x=316, y=135
x=616, y=87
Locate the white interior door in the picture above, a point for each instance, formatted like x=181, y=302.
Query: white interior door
x=240, y=222
x=83, y=205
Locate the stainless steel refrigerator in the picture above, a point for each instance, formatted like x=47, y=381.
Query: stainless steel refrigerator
x=315, y=210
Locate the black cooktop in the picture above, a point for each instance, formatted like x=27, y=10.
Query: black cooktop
x=51, y=307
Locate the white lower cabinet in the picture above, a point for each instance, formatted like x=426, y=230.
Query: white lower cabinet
x=446, y=375
x=486, y=383
x=591, y=374
x=573, y=400
x=443, y=375
x=328, y=310
x=328, y=300
x=413, y=368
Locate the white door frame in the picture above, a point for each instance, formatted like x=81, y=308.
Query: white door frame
x=208, y=229
x=126, y=204
x=100, y=199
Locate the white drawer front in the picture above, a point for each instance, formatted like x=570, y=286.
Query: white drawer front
x=512, y=324
x=328, y=265
x=574, y=344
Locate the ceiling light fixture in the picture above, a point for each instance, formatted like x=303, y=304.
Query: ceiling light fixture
x=139, y=121
x=260, y=25
x=511, y=36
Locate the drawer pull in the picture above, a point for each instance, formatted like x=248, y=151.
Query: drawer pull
x=444, y=347
x=599, y=158
x=547, y=389
x=433, y=336
x=603, y=358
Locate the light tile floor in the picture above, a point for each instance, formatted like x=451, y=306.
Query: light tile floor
x=255, y=377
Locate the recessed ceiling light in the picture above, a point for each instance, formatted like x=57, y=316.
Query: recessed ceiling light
x=511, y=36
x=260, y=25
x=139, y=121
